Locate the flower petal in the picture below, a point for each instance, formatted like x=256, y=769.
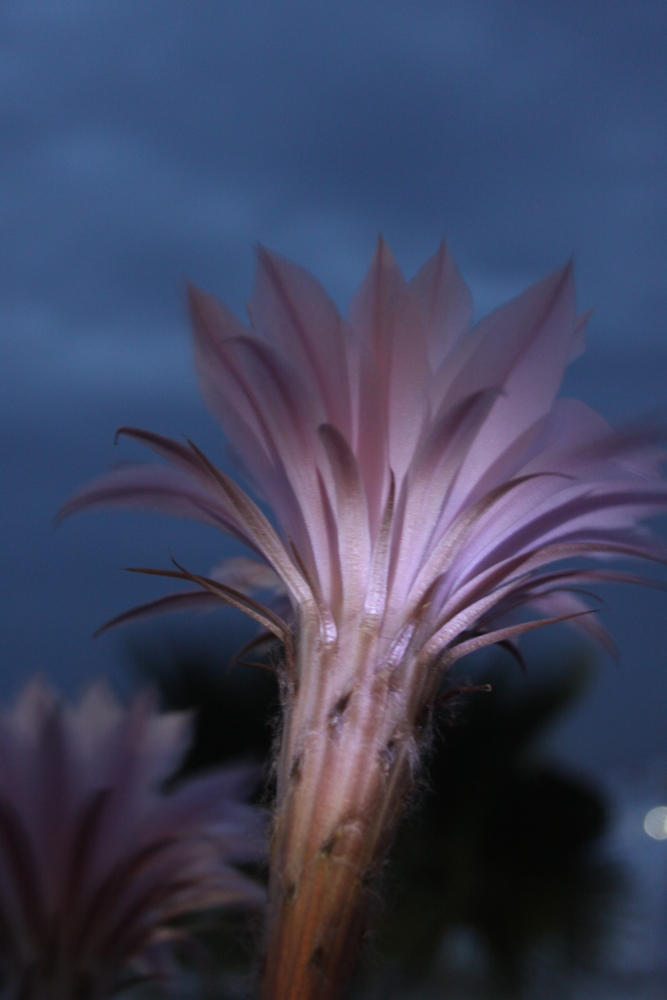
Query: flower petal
x=291, y=310
x=184, y=600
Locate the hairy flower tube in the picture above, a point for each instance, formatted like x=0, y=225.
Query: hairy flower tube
x=95, y=860
x=424, y=478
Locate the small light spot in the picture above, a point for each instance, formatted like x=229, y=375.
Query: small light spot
x=655, y=823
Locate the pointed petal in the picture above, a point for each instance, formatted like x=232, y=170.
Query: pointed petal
x=155, y=488
x=376, y=595
x=517, y=569
x=387, y=319
x=351, y=518
x=248, y=575
x=258, y=528
x=566, y=603
x=454, y=653
x=267, y=618
x=292, y=311
x=431, y=478
x=185, y=600
x=453, y=542
x=445, y=301
x=522, y=347
x=573, y=509
x=223, y=504
x=293, y=416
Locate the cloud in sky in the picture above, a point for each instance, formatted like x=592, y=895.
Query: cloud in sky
x=145, y=142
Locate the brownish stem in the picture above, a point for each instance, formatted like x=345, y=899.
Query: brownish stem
x=344, y=771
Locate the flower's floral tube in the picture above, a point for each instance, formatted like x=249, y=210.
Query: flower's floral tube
x=423, y=477
x=95, y=860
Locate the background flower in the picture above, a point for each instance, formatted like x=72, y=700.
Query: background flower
x=95, y=859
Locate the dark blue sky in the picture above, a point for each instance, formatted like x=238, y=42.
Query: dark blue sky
x=147, y=142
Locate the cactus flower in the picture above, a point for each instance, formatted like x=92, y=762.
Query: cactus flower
x=95, y=859
x=424, y=479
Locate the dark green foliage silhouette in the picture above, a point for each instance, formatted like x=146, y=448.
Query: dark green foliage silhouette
x=236, y=706
x=501, y=843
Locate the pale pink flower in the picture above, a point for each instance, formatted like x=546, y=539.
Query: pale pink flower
x=422, y=475
x=95, y=859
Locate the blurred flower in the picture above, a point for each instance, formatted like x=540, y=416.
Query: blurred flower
x=422, y=475
x=94, y=859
